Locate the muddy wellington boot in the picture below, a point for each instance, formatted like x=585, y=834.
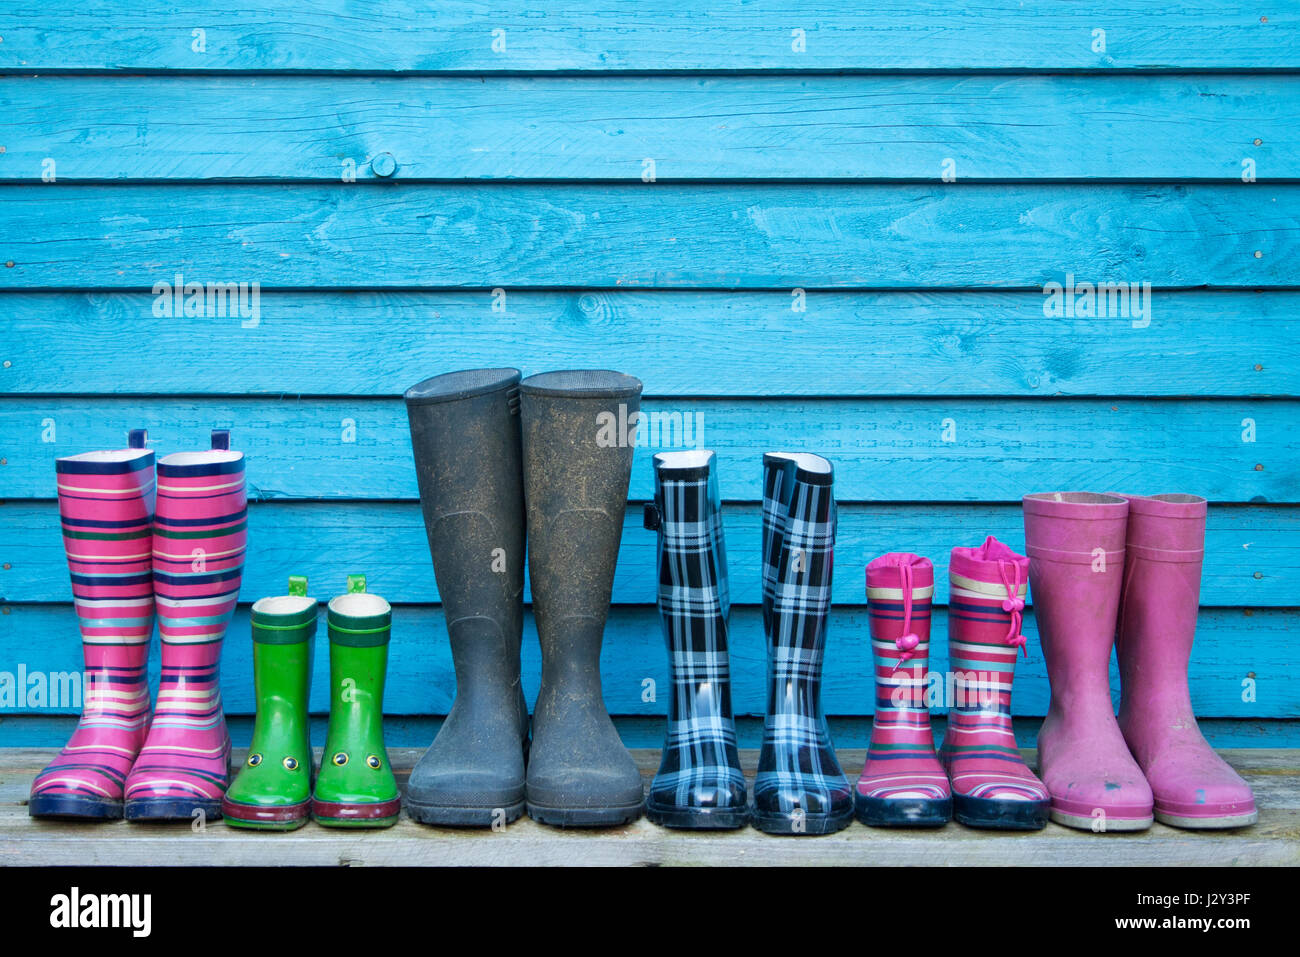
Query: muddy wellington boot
x=272, y=791
x=902, y=783
x=800, y=788
x=1193, y=787
x=468, y=459
x=356, y=787
x=700, y=783
x=106, y=503
x=1075, y=542
x=991, y=784
x=578, y=438
x=199, y=535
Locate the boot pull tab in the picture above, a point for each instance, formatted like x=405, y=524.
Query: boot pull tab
x=512, y=400
x=356, y=584
x=652, y=518
x=137, y=439
x=298, y=586
x=221, y=440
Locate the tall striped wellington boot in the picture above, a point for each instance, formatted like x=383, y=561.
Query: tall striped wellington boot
x=106, y=503
x=800, y=788
x=991, y=784
x=356, y=787
x=700, y=783
x=1192, y=786
x=902, y=784
x=1075, y=542
x=200, y=533
x=272, y=791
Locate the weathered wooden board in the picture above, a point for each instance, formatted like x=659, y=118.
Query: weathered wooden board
x=1243, y=666
x=1231, y=450
x=680, y=342
x=927, y=128
x=416, y=731
x=1275, y=840
x=773, y=236
x=677, y=35
x=1252, y=554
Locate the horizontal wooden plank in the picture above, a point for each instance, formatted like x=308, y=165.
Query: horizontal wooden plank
x=663, y=235
x=679, y=35
x=1231, y=647
x=26, y=841
x=416, y=731
x=926, y=128
x=883, y=449
x=1252, y=553
x=707, y=342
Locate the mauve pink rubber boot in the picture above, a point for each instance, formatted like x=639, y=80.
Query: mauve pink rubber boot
x=1193, y=786
x=1075, y=542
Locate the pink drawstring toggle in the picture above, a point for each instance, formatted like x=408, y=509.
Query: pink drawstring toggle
x=1014, y=604
x=906, y=642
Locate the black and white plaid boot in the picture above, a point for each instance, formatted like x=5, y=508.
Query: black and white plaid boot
x=800, y=788
x=699, y=784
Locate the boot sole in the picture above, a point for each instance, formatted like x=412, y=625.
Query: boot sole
x=446, y=815
x=255, y=817
x=378, y=814
x=902, y=812
x=1002, y=815
x=74, y=807
x=1113, y=824
x=171, y=809
x=697, y=818
x=810, y=824
x=1207, y=823
x=585, y=816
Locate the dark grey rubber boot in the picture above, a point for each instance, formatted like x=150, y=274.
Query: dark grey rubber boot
x=466, y=439
x=577, y=461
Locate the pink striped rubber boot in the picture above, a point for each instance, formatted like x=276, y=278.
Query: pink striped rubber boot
x=106, y=502
x=902, y=784
x=991, y=784
x=1075, y=542
x=200, y=531
x=1193, y=786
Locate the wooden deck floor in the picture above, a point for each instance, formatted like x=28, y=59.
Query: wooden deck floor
x=1275, y=840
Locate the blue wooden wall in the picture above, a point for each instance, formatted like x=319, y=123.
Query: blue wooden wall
x=803, y=227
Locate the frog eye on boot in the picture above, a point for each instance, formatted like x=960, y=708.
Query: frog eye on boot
x=341, y=758
x=254, y=760
x=374, y=762
x=290, y=764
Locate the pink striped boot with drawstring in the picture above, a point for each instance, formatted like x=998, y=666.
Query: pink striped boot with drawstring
x=991, y=785
x=200, y=532
x=902, y=784
x=106, y=502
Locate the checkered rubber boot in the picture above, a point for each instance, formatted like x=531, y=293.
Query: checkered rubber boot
x=800, y=788
x=699, y=784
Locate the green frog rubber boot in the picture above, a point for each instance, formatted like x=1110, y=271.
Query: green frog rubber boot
x=356, y=787
x=465, y=437
x=577, y=462
x=272, y=791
